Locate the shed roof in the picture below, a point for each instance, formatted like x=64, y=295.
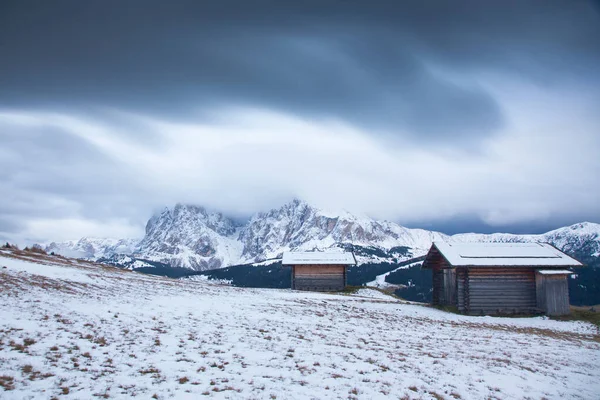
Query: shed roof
x=318, y=257
x=503, y=254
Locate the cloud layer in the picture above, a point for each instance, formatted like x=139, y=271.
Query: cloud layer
x=379, y=65
x=416, y=113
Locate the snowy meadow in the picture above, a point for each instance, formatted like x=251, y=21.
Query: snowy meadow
x=77, y=330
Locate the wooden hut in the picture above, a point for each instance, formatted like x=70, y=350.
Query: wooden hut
x=500, y=278
x=318, y=271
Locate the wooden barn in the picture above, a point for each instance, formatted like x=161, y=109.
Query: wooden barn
x=318, y=271
x=500, y=278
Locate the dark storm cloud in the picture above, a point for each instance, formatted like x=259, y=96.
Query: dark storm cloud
x=109, y=109
x=369, y=63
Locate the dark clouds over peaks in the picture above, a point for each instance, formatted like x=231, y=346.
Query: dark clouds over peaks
x=450, y=115
x=402, y=67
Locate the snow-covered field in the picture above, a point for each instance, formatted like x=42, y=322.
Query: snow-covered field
x=85, y=331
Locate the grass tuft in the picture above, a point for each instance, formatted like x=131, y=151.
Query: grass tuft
x=7, y=382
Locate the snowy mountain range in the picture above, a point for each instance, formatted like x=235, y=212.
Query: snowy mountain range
x=93, y=248
x=189, y=236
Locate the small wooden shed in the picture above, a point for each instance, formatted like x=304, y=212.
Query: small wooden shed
x=318, y=271
x=500, y=278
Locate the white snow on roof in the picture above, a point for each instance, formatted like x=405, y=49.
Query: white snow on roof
x=317, y=257
x=505, y=254
x=555, y=272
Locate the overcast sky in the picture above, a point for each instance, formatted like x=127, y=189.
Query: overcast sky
x=450, y=115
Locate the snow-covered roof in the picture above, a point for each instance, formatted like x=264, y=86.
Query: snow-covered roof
x=504, y=254
x=555, y=272
x=317, y=257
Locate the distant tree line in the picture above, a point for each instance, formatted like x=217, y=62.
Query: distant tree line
x=273, y=276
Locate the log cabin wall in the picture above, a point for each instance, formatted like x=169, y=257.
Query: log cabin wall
x=321, y=278
x=444, y=279
x=462, y=289
x=497, y=290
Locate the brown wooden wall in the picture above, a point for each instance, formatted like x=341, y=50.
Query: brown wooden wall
x=462, y=289
x=449, y=283
x=553, y=294
x=322, y=278
x=444, y=279
x=496, y=290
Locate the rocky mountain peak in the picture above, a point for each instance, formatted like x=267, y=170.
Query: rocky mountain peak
x=586, y=228
x=188, y=217
x=300, y=226
x=193, y=237
x=190, y=236
x=581, y=240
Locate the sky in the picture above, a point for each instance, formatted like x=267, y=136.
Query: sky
x=448, y=115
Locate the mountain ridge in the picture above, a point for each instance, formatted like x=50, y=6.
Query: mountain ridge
x=189, y=236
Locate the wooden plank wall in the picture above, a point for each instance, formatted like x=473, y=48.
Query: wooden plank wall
x=441, y=283
x=499, y=290
x=540, y=295
x=462, y=289
x=449, y=286
x=553, y=294
x=322, y=278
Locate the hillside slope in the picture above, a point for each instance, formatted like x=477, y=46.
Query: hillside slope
x=72, y=330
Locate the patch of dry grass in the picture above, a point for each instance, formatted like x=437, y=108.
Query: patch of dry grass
x=587, y=314
x=7, y=382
